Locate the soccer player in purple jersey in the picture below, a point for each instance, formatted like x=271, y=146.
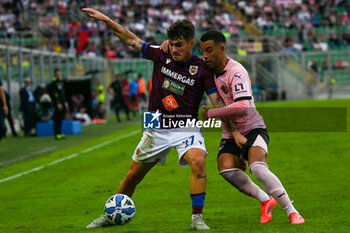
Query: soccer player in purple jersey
x=179, y=81
x=233, y=83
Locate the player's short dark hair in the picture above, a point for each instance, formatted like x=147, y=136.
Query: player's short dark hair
x=215, y=36
x=181, y=29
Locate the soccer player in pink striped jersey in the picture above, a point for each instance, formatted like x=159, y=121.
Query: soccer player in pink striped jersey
x=233, y=83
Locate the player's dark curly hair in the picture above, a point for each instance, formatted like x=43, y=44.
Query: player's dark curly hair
x=181, y=29
x=215, y=36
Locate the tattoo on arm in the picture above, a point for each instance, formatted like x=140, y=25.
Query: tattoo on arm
x=134, y=44
x=230, y=123
x=220, y=102
x=227, y=120
x=119, y=30
x=116, y=31
x=125, y=35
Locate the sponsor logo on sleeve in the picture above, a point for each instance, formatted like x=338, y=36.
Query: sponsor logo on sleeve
x=224, y=89
x=237, y=76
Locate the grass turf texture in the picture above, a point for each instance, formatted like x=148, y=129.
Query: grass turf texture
x=67, y=196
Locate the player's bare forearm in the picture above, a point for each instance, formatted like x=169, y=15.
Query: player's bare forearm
x=220, y=102
x=216, y=100
x=126, y=36
x=230, y=123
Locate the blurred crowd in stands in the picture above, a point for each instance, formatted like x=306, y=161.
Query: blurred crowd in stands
x=60, y=25
x=308, y=24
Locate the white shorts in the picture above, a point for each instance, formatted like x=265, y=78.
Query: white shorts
x=156, y=144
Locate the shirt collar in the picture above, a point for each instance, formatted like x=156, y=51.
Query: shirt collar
x=227, y=67
x=188, y=61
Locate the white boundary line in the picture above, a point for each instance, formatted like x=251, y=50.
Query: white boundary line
x=23, y=157
x=69, y=156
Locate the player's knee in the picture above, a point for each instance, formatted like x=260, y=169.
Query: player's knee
x=257, y=154
x=258, y=169
x=235, y=177
x=228, y=174
x=231, y=174
x=198, y=163
x=223, y=166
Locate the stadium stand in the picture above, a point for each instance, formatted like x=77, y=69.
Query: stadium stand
x=291, y=32
x=305, y=22
x=60, y=26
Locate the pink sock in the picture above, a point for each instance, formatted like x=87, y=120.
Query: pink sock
x=241, y=181
x=271, y=183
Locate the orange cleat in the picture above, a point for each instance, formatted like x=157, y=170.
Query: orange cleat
x=296, y=218
x=266, y=210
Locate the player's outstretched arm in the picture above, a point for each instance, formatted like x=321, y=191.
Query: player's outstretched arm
x=126, y=36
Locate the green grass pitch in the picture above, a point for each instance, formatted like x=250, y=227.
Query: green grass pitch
x=66, y=196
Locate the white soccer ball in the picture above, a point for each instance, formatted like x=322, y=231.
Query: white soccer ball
x=120, y=209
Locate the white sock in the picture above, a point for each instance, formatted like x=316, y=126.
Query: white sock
x=262, y=196
x=291, y=209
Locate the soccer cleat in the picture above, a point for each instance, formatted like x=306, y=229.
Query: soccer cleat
x=198, y=223
x=60, y=136
x=266, y=210
x=296, y=218
x=102, y=221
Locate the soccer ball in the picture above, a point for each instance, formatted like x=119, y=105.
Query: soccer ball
x=120, y=209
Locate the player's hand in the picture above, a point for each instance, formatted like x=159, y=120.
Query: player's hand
x=6, y=110
x=239, y=139
x=205, y=113
x=95, y=14
x=59, y=106
x=165, y=46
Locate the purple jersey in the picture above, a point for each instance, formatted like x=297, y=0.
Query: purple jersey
x=177, y=88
